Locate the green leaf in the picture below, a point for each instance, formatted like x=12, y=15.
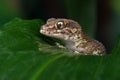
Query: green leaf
x=26, y=55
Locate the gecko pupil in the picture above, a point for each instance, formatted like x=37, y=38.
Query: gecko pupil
x=60, y=25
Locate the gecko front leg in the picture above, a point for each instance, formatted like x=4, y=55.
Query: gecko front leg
x=59, y=45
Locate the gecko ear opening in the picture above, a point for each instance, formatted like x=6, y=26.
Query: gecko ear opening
x=74, y=24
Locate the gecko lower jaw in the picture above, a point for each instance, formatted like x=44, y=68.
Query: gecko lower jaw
x=46, y=32
x=51, y=34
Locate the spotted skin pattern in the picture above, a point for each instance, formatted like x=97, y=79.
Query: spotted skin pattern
x=71, y=33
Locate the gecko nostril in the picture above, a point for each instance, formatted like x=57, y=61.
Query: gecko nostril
x=44, y=27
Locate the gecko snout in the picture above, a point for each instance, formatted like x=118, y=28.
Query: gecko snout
x=43, y=29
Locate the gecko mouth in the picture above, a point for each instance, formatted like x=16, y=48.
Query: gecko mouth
x=49, y=32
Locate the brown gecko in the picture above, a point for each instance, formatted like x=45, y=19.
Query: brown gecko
x=71, y=33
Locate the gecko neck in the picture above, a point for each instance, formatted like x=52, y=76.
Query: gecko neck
x=81, y=37
x=77, y=40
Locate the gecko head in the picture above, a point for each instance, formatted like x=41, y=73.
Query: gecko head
x=64, y=29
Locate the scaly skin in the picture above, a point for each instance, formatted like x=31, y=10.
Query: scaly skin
x=71, y=32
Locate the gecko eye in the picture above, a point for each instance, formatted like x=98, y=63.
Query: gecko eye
x=60, y=25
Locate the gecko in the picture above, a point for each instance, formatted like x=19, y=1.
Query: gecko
x=71, y=33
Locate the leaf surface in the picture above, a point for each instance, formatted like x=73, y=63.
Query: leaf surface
x=25, y=55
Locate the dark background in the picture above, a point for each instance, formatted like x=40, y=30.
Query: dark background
x=99, y=18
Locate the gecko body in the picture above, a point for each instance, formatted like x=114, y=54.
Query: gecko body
x=71, y=33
